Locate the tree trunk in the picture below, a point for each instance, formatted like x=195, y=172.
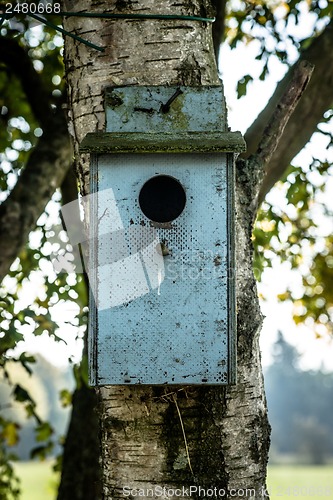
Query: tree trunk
x=172, y=437
x=80, y=478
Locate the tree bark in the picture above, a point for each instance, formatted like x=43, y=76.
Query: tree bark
x=172, y=436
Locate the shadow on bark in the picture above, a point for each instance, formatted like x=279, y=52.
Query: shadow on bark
x=81, y=478
x=81, y=470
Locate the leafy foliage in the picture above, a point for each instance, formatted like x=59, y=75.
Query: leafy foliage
x=23, y=311
x=9, y=484
x=279, y=29
x=301, y=234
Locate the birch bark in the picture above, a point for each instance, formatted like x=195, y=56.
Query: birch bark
x=142, y=428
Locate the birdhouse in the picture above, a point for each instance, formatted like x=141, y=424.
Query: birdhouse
x=162, y=271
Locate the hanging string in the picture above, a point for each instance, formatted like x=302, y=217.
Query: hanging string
x=107, y=16
x=67, y=33
x=138, y=16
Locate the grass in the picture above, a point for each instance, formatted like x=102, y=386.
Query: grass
x=38, y=481
x=285, y=482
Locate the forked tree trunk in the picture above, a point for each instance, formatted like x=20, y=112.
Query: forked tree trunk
x=142, y=428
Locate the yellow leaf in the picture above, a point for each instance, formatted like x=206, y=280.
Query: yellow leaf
x=10, y=433
x=283, y=296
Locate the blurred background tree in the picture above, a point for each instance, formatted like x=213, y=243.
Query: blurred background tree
x=300, y=406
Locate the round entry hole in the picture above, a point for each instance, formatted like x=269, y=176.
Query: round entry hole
x=162, y=198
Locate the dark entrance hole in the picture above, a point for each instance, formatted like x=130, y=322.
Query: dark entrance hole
x=162, y=198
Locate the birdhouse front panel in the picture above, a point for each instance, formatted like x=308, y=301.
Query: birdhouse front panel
x=161, y=259
x=162, y=269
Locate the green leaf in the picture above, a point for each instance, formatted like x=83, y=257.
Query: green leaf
x=43, y=431
x=10, y=433
x=10, y=338
x=65, y=398
x=24, y=359
x=264, y=72
x=242, y=85
x=22, y=395
x=42, y=452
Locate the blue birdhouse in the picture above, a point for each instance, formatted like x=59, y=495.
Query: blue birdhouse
x=162, y=269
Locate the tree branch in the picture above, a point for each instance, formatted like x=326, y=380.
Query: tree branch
x=303, y=122
x=43, y=174
x=47, y=164
x=257, y=163
x=18, y=60
x=288, y=102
